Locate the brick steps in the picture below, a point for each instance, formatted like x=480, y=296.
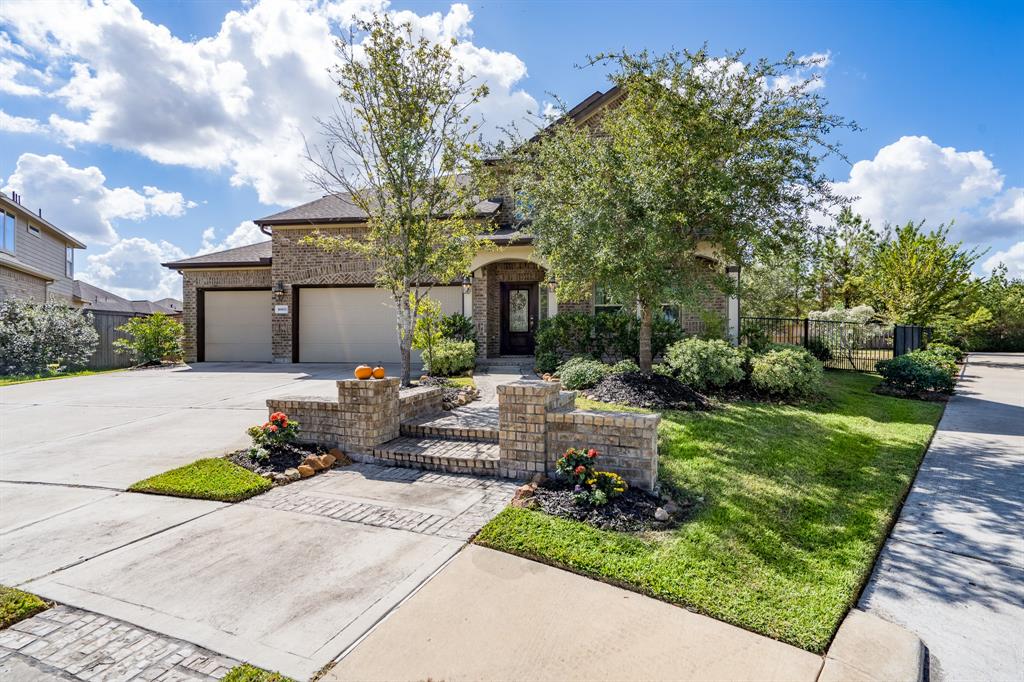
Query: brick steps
x=451, y=426
x=437, y=454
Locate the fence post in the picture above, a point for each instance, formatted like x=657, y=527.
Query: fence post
x=807, y=327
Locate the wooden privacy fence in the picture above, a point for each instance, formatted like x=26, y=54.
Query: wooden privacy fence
x=106, y=356
x=839, y=345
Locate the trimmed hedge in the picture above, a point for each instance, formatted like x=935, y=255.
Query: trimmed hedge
x=705, y=364
x=786, y=372
x=451, y=357
x=920, y=370
x=581, y=372
x=604, y=336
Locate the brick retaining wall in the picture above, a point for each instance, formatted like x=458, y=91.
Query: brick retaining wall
x=627, y=443
x=412, y=402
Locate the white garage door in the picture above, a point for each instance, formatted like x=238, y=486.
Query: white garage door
x=356, y=324
x=237, y=326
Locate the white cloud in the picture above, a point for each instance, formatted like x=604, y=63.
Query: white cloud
x=19, y=124
x=131, y=268
x=916, y=179
x=812, y=72
x=78, y=200
x=10, y=71
x=1012, y=258
x=246, y=233
x=237, y=100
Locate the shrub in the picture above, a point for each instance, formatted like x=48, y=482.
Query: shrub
x=919, y=371
x=705, y=364
x=786, y=371
x=277, y=431
x=582, y=372
x=35, y=335
x=948, y=351
x=600, y=336
x=546, y=361
x=623, y=366
x=591, y=487
x=451, y=357
x=458, y=327
x=756, y=339
x=819, y=349
x=152, y=338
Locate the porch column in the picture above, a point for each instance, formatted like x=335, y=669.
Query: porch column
x=733, y=305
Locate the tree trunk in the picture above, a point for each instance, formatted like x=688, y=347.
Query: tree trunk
x=645, y=338
x=405, y=338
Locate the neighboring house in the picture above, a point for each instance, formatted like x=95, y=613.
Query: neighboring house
x=37, y=258
x=282, y=301
x=95, y=299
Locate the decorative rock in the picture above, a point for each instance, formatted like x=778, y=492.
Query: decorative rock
x=327, y=460
x=292, y=474
x=671, y=508
x=268, y=475
x=523, y=492
x=282, y=479
x=313, y=461
x=461, y=399
x=305, y=471
x=661, y=515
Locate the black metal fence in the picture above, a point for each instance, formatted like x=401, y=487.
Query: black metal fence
x=839, y=345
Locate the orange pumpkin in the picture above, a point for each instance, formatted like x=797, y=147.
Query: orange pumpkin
x=378, y=372
x=363, y=372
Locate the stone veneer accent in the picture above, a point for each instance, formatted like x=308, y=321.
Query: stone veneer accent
x=195, y=280
x=627, y=442
x=366, y=414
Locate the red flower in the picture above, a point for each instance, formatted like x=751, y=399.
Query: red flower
x=591, y=453
x=580, y=469
x=279, y=417
x=273, y=427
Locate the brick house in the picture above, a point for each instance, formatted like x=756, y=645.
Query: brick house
x=282, y=301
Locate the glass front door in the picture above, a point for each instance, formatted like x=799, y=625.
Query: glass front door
x=518, y=318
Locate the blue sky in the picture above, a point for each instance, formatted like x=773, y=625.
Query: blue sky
x=202, y=103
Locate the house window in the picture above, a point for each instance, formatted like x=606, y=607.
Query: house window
x=7, y=225
x=69, y=261
x=33, y=230
x=604, y=303
x=670, y=311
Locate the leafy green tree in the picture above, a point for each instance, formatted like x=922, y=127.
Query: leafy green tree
x=842, y=260
x=428, y=331
x=778, y=285
x=697, y=151
x=151, y=338
x=36, y=336
x=401, y=144
x=917, y=277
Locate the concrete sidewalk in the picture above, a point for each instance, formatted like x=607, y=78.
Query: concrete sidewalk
x=953, y=569
x=490, y=615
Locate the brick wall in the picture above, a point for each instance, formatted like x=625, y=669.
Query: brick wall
x=15, y=284
x=522, y=440
x=627, y=443
x=487, y=299
x=366, y=414
x=193, y=280
x=413, y=402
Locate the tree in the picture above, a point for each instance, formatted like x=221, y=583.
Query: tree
x=151, y=338
x=778, y=285
x=697, y=150
x=917, y=277
x=842, y=260
x=401, y=146
x=427, y=333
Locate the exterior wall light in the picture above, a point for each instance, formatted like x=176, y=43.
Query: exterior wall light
x=467, y=284
x=278, y=290
x=552, y=284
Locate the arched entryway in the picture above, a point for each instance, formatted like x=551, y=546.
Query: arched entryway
x=509, y=300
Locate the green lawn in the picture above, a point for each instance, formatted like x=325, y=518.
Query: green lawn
x=797, y=501
x=206, y=479
x=249, y=673
x=12, y=379
x=462, y=382
x=16, y=605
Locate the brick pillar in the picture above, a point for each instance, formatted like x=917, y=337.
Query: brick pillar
x=522, y=426
x=368, y=412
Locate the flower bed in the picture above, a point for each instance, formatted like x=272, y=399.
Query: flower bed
x=649, y=391
x=634, y=510
x=277, y=455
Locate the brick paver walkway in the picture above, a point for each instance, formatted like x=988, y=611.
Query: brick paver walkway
x=304, y=498
x=65, y=642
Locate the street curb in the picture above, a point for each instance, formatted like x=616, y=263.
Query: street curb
x=869, y=649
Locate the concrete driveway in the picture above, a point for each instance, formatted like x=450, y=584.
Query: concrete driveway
x=285, y=581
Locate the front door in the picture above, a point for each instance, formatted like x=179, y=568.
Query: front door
x=518, y=318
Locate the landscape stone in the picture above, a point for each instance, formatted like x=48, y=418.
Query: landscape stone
x=292, y=474
x=661, y=515
x=305, y=471
x=312, y=461
x=327, y=460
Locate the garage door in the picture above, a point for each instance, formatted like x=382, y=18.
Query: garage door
x=237, y=326
x=356, y=324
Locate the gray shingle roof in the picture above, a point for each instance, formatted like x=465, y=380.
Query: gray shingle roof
x=338, y=208
x=95, y=298
x=253, y=254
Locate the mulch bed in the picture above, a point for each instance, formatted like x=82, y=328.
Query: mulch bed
x=897, y=392
x=649, y=391
x=282, y=457
x=631, y=512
